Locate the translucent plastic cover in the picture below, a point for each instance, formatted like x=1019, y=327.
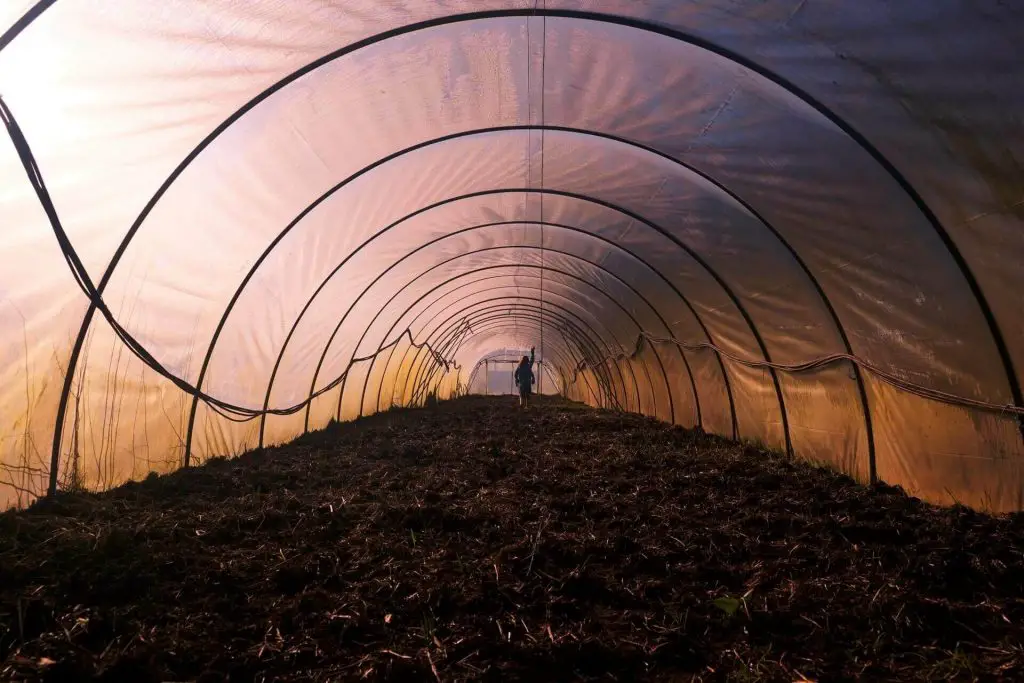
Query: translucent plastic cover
x=796, y=223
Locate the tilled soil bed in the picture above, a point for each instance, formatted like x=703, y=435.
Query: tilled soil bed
x=472, y=541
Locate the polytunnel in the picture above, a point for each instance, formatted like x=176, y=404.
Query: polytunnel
x=794, y=222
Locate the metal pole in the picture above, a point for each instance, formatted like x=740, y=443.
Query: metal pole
x=487, y=377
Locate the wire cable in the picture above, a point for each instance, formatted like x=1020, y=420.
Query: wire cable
x=817, y=364
x=227, y=410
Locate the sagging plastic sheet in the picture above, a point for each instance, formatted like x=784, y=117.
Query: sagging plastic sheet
x=793, y=223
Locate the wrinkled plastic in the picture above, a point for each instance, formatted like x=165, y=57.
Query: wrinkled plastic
x=318, y=189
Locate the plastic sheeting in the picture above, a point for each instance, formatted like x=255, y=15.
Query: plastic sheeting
x=794, y=222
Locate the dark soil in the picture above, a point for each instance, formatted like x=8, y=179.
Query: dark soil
x=473, y=542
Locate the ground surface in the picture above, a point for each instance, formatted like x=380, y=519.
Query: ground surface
x=473, y=542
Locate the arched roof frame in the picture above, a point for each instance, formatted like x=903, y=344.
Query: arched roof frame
x=599, y=238
x=485, y=334
x=498, y=316
x=572, y=333
x=486, y=331
x=601, y=334
x=588, y=347
x=500, y=329
x=486, y=268
x=549, y=269
x=498, y=322
x=994, y=330
x=205, y=364
x=447, y=333
x=491, y=324
x=596, y=134
x=705, y=266
x=587, y=339
x=661, y=367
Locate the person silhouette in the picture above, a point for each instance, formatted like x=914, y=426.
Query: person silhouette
x=524, y=378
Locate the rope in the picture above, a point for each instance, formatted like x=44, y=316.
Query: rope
x=816, y=364
x=227, y=410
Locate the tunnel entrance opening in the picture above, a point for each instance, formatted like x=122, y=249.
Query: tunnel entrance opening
x=494, y=374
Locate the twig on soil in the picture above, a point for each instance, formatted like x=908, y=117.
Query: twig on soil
x=536, y=544
x=433, y=667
